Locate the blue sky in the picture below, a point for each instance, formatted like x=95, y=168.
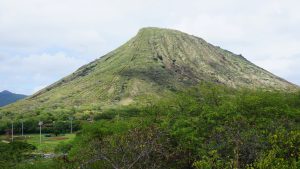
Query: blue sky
x=43, y=41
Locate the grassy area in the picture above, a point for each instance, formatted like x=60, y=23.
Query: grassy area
x=48, y=143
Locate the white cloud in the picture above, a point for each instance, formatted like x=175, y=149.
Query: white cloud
x=45, y=64
x=287, y=67
x=24, y=74
x=34, y=32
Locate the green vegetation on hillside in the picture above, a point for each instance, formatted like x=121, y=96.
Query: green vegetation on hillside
x=154, y=63
x=209, y=126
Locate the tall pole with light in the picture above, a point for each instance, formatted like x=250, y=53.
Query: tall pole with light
x=40, y=124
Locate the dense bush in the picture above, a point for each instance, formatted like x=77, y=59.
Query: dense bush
x=206, y=127
x=14, y=153
x=209, y=126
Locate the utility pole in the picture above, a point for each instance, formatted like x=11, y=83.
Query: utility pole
x=40, y=124
x=71, y=119
x=12, y=131
x=22, y=128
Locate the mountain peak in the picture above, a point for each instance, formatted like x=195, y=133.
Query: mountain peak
x=155, y=63
x=148, y=31
x=7, y=97
x=157, y=29
x=6, y=92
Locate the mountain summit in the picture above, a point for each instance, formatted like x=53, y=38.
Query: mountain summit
x=153, y=63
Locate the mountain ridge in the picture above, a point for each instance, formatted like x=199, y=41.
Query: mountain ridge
x=154, y=63
x=7, y=97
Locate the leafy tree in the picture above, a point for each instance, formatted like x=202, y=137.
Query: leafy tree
x=13, y=153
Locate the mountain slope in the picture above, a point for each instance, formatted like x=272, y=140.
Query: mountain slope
x=7, y=97
x=154, y=63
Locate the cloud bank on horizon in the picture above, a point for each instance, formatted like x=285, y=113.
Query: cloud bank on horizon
x=43, y=41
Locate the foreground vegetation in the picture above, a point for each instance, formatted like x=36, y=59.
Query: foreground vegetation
x=27, y=149
x=49, y=142
x=205, y=127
